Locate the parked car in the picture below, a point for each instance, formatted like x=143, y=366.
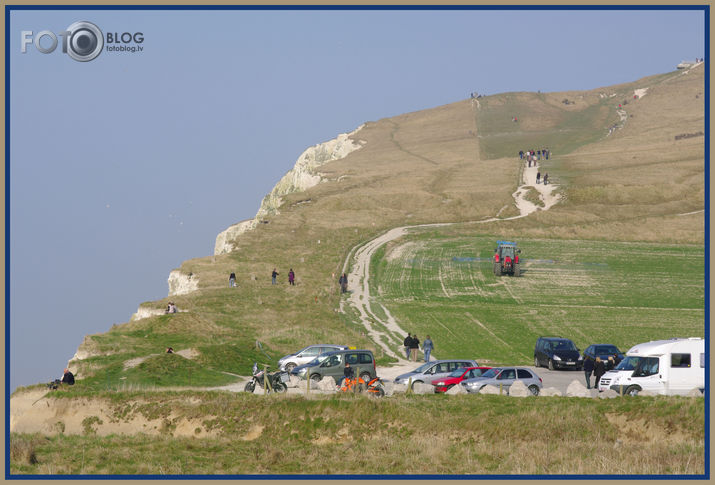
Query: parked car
x=457, y=376
x=305, y=355
x=604, y=351
x=332, y=364
x=505, y=376
x=437, y=369
x=557, y=353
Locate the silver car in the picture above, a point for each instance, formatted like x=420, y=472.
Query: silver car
x=505, y=377
x=437, y=369
x=289, y=362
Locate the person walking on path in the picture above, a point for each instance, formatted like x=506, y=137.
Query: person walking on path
x=407, y=343
x=538, y=176
x=546, y=178
x=414, y=347
x=232, y=280
x=343, y=283
x=521, y=154
x=587, y=370
x=427, y=347
x=291, y=277
x=274, y=275
x=598, y=370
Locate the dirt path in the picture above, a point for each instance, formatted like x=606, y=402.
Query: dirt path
x=386, y=331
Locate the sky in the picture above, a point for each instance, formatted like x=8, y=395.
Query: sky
x=124, y=166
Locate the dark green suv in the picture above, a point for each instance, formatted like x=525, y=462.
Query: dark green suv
x=333, y=364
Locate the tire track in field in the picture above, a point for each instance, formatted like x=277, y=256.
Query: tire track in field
x=361, y=256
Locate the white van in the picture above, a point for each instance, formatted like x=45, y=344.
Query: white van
x=668, y=367
x=612, y=378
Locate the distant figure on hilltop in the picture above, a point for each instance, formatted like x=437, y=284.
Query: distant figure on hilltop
x=171, y=307
x=232, y=280
x=407, y=343
x=343, y=283
x=538, y=177
x=291, y=277
x=546, y=178
x=274, y=275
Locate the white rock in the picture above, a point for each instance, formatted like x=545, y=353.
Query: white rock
x=695, y=392
x=576, y=389
x=143, y=312
x=489, y=389
x=647, y=393
x=607, y=394
x=223, y=240
x=327, y=384
x=422, y=388
x=398, y=387
x=458, y=389
x=550, y=391
x=519, y=389
x=181, y=284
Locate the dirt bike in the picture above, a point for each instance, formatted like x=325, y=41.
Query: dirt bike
x=374, y=387
x=277, y=381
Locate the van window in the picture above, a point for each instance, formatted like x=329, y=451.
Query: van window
x=702, y=360
x=523, y=374
x=646, y=366
x=680, y=360
x=311, y=352
x=365, y=359
x=351, y=359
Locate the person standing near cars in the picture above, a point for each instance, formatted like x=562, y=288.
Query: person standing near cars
x=414, y=347
x=599, y=368
x=587, y=370
x=407, y=343
x=427, y=347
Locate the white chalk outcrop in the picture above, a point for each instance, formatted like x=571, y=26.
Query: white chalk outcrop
x=302, y=176
x=143, y=312
x=181, y=283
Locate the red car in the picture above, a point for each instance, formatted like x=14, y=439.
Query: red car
x=457, y=376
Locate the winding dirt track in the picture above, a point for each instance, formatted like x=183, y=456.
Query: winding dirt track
x=386, y=331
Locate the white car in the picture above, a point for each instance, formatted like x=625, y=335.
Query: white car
x=289, y=362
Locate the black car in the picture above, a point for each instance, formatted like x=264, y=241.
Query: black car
x=604, y=351
x=557, y=353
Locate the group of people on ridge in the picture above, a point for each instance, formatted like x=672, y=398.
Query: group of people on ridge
x=274, y=276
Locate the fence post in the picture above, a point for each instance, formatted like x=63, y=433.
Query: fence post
x=501, y=385
x=409, y=386
x=307, y=383
x=620, y=386
x=356, y=379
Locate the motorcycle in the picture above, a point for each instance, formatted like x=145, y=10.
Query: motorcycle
x=374, y=387
x=277, y=380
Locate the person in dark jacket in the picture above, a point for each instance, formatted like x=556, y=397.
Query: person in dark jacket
x=274, y=275
x=68, y=378
x=407, y=343
x=291, y=277
x=414, y=347
x=599, y=368
x=616, y=360
x=348, y=373
x=232, y=280
x=343, y=283
x=587, y=370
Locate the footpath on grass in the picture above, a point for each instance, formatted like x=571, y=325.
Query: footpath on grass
x=385, y=331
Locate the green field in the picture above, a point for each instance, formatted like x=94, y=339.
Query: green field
x=588, y=291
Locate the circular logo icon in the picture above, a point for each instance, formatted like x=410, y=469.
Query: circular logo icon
x=85, y=41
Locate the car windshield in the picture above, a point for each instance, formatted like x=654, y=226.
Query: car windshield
x=629, y=363
x=423, y=367
x=491, y=373
x=564, y=345
x=457, y=372
x=606, y=350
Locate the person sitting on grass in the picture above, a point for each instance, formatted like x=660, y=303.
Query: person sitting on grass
x=67, y=378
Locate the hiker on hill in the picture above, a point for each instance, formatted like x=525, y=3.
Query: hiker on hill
x=414, y=347
x=170, y=350
x=232, y=280
x=538, y=176
x=407, y=343
x=546, y=178
x=273, y=276
x=170, y=308
x=67, y=378
x=291, y=277
x=546, y=153
x=521, y=154
x=343, y=283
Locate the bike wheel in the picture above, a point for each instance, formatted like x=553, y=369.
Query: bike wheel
x=250, y=386
x=280, y=387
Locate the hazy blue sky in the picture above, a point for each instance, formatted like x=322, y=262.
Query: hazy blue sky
x=125, y=166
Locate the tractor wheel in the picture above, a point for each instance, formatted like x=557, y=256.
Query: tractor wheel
x=517, y=271
x=551, y=364
x=497, y=269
